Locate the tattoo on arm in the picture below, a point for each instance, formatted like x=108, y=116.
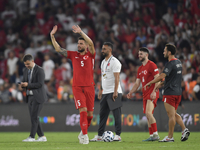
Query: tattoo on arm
x=63, y=52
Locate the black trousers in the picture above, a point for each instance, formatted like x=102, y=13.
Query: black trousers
x=34, y=110
x=104, y=112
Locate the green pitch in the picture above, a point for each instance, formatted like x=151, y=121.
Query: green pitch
x=69, y=141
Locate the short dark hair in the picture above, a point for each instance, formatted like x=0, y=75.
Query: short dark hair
x=171, y=48
x=81, y=38
x=144, y=49
x=108, y=44
x=27, y=57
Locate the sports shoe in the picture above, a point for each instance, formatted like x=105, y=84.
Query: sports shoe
x=96, y=139
x=185, y=134
x=79, y=136
x=166, y=139
x=149, y=139
x=117, y=138
x=84, y=139
x=29, y=139
x=155, y=137
x=41, y=139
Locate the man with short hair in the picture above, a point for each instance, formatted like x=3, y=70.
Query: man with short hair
x=111, y=93
x=83, y=82
x=172, y=92
x=33, y=82
x=147, y=72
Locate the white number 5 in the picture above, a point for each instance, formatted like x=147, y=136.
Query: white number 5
x=82, y=63
x=78, y=102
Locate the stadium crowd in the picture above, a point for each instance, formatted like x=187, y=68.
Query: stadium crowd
x=128, y=24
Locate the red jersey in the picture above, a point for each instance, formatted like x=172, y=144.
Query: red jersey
x=146, y=74
x=83, y=68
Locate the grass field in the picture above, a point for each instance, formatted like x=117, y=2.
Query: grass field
x=69, y=141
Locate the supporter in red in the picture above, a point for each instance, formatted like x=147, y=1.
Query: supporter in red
x=3, y=66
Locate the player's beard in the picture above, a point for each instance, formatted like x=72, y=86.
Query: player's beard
x=166, y=56
x=82, y=50
x=143, y=59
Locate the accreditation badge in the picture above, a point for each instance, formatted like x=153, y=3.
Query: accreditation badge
x=104, y=76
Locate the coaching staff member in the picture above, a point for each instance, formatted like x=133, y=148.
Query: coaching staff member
x=111, y=92
x=33, y=82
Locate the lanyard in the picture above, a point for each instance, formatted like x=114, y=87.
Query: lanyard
x=107, y=63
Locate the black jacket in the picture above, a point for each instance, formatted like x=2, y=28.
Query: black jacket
x=37, y=83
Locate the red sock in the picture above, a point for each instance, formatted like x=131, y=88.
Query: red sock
x=83, y=122
x=154, y=127
x=150, y=131
x=89, y=119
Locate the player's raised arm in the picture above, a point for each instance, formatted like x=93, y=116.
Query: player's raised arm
x=57, y=47
x=77, y=29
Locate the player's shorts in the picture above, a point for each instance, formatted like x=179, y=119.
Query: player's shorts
x=84, y=96
x=145, y=103
x=173, y=100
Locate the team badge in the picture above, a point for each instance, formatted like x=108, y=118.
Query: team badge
x=85, y=57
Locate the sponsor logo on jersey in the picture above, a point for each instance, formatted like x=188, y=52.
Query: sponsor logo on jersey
x=76, y=57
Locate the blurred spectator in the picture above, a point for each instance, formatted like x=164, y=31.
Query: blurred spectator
x=10, y=37
x=31, y=50
x=46, y=48
x=12, y=64
x=66, y=94
x=3, y=66
x=141, y=37
x=19, y=67
x=8, y=16
x=60, y=91
x=196, y=90
x=5, y=96
x=168, y=17
x=13, y=92
x=185, y=94
x=48, y=66
x=66, y=70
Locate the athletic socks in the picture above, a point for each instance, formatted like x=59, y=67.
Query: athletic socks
x=154, y=128
x=150, y=132
x=83, y=122
x=89, y=119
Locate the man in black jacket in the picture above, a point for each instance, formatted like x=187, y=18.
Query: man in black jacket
x=33, y=82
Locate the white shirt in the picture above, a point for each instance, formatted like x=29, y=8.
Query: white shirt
x=30, y=91
x=48, y=67
x=196, y=88
x=12, y=65
x=31, y=51
x=108, y=68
